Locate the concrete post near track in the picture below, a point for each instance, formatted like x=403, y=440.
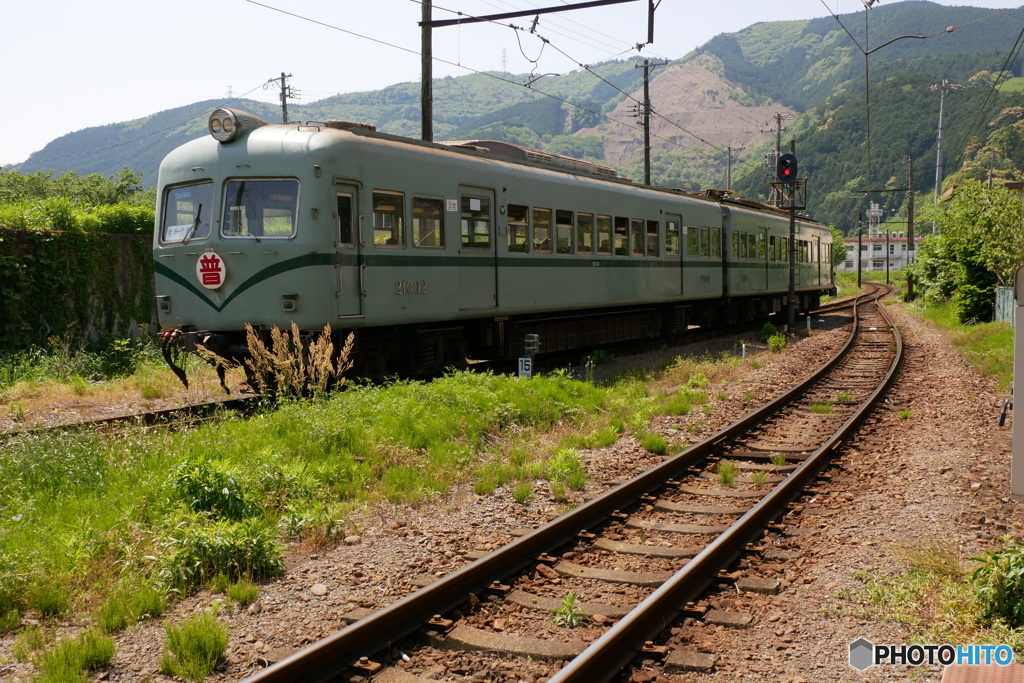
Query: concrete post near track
x=1017, y=447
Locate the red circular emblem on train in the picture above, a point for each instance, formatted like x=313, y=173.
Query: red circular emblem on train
x=211, y=270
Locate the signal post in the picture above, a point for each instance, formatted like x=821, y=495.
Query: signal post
x=794, y=197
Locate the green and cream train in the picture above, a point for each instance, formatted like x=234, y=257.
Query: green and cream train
x=435, y=253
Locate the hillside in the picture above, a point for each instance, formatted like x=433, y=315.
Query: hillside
x=724, y=95
x=695, y=107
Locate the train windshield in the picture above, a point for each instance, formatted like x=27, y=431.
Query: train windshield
x=187, y=212
x=260, y=208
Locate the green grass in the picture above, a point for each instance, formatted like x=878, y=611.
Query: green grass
x=243, y=592
x=128, y=604
x=654, y=443
x=570, y=614
x=727, y=471
x=987, y=346
x=160, y=514
x=60, y=362
x=194, y=647
x=935, y=600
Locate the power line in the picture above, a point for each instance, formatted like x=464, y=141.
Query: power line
x=511, y=82
x=980, y=114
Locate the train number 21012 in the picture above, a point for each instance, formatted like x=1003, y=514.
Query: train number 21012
x=410, y=287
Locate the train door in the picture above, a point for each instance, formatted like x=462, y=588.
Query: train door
x=818, y=257
x=478, y=265
x=673, y=255
x=347, y=259
x=762, y=258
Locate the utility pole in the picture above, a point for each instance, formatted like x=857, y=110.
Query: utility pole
x=644, y=113
x=860, y=249
x=427, y=78
x=910, y=229
x=286, y=92
x=728, y=168
x=943, y=88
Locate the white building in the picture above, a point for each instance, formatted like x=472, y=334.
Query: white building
x=875, y=250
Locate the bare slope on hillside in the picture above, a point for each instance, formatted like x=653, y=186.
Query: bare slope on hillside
x=690, y=101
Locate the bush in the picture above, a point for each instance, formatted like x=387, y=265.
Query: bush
x=195, y=647
x=768, y=331
x=777, y=342
x=1000, y=585
x=201, y=549
x=204, y=488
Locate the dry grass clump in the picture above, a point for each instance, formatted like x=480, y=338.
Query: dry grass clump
x=288, y=367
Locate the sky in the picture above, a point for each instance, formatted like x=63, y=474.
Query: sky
x=81, y=64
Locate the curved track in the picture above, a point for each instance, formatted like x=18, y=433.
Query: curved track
x=801, y=429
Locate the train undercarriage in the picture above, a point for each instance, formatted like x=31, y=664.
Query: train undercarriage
x=421, y=350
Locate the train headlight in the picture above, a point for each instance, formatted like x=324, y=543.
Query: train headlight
x=223, y=125
x=227, y=125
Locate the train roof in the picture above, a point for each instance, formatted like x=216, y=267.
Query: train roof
x=245, y=123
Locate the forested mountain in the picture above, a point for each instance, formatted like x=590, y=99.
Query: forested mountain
x=722, y=97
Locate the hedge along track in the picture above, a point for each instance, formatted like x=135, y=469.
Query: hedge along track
x=669, y=568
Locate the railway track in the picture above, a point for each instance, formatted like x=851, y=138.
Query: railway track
x=640, y=555
x=188, y=414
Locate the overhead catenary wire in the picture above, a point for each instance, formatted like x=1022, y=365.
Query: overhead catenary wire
x=980, y=114
x=586, y=67
x=385, y=43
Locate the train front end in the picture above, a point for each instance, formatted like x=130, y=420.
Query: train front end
x=239, y=240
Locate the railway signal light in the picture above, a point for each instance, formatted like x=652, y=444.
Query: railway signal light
x=786, y=170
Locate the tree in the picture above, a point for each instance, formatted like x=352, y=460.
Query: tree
x=978, y=247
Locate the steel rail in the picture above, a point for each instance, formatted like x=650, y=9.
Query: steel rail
x=162, y=416
x=619, y=645
x=328, y=658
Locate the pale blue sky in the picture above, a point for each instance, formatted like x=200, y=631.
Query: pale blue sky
x=69, y=64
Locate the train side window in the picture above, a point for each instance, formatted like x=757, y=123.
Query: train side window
x=653, y=248
x=518, y=222
x=585, y=233
x=427, y=222
x=604, y=234
x=762, y=254
x=735, y=244
x=388, y=220
x=672, y=224
x=542, y=231
x=751, y=245
x=716, y=243
x=476, y=222
x=784, y=249
x=773, y=254
x=693, y=241
x=187, y=212
x=621, y=236
x=563, y=227
x=344, y=216
x=743, y=245
x=705, y=242
x=637, y=236
x=260, y=208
